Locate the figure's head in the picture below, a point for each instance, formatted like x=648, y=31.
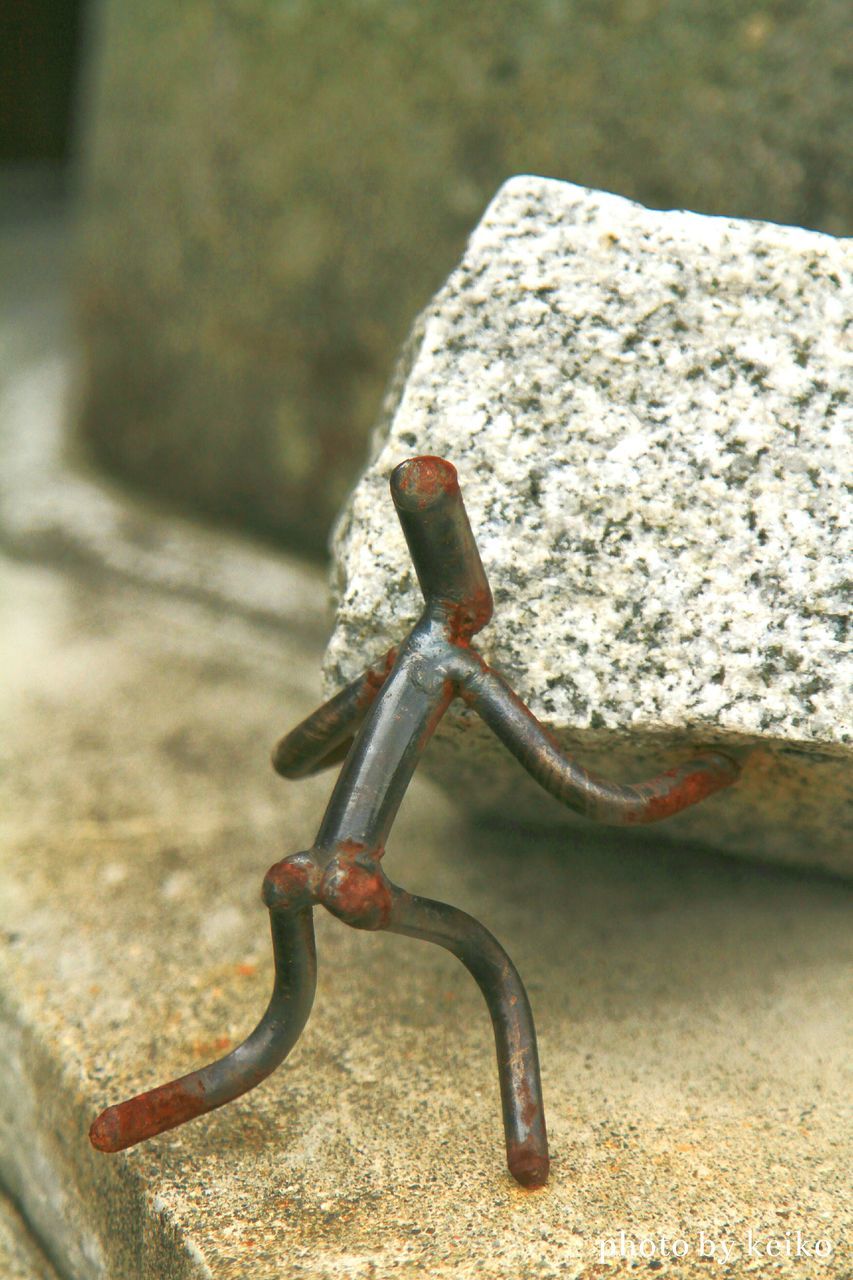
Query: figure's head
x=429, y=504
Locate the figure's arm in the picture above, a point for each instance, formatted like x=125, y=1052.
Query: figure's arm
x=610, y=802
x=324, y=738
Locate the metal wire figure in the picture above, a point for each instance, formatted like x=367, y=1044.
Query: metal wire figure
x=379, y=725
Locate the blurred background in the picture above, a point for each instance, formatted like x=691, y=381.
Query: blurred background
x=260, y=195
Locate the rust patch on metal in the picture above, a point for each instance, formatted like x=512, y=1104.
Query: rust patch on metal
x=291, y=883
x=680, y=788
x=355, y=889
x=527, y=1165
x=145, y=1116
x=424, y=479
x=465, y=619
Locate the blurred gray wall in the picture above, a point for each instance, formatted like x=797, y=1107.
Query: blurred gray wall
x=273, y=188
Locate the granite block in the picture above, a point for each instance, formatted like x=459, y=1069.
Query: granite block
x=650, y=416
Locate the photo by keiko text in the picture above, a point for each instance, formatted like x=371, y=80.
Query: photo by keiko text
x=717, y=1247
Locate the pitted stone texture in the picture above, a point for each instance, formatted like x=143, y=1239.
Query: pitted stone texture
x=649, y=413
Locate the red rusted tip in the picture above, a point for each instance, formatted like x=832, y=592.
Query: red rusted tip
x=692, y=783
x=418, y=482
x=529, y=1167
x=105, y=1134
x=146, y=1115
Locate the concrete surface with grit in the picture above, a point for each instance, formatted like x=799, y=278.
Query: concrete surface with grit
x=651, y=418
x=690, y=1010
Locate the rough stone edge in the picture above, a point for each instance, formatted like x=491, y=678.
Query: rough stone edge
x=69, y=1197
x=21, y=1257
x=406, y=361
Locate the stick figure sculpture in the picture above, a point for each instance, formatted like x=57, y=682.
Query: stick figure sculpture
x=379, y=725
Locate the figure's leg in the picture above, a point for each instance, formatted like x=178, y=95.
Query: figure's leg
x=324, y=737
x=355, y=888
x=246, y=1066
x=512, y=1020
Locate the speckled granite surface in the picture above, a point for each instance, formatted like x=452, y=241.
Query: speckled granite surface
x=650, y=417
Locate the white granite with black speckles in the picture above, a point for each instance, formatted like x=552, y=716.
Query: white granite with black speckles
x=650, y=416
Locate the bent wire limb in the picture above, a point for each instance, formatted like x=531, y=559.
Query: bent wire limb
x=239, y=1071
x=512, y=1022
x=379, y=725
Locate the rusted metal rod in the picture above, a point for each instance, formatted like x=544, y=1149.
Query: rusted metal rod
x=239, y=1071
x=379, y=725
x=512, y=1022
x=325, y=737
